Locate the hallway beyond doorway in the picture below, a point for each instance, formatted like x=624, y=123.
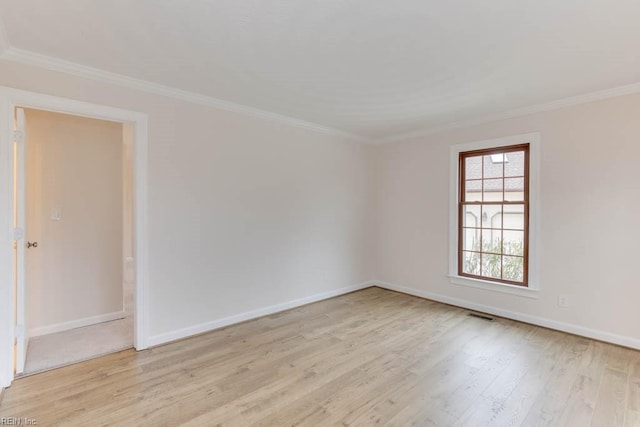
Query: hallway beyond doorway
x=76, y=345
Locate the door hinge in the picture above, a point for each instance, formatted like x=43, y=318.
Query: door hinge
x=18, y=233
x=19, y=331
x=18, y=136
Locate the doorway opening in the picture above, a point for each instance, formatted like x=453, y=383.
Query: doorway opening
x=73, y=197
x=13, y=329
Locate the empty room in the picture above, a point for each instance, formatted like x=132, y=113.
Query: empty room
x=319, y=213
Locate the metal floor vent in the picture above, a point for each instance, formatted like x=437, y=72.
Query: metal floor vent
x=481, y=316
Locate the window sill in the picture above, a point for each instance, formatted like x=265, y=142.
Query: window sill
x=495, y=287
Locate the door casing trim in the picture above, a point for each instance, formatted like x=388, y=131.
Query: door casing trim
x=11, y=98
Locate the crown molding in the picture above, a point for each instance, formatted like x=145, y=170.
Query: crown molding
x=55, y=64
x=10, y=53
x=518, y=112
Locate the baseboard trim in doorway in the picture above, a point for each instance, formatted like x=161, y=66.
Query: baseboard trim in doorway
x=200, y=328
x=521, y=317
x=78, y=323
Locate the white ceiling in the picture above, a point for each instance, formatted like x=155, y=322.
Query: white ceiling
x=375, y=68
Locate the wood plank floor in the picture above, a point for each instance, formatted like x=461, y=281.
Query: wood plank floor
x=370, y=357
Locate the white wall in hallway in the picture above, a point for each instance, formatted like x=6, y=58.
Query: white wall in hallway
x=74, y=169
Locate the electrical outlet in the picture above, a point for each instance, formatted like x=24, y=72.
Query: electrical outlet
x=563, y=301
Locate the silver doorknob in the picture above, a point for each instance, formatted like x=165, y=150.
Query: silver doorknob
x=32, y=245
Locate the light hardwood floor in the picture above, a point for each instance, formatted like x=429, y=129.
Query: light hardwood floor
x=370, y=357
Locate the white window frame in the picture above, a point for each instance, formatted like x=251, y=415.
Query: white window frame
x=533, y=288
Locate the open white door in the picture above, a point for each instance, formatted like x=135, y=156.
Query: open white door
x=19, y=138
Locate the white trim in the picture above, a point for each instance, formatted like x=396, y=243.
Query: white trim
x=494, y=286
x=517, y=112
x=73, y=68
x=11, y=98
x=520, y=317
x=534, y=208
x=140, y=232
x=166, y=337
x=73, y=324
x=6, y=247
x=22, y=339
x=23, y=56
x=55, y=64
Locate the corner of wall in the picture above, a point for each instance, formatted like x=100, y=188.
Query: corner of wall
x=374, y=209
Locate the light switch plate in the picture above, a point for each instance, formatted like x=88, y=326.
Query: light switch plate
x=56, y=214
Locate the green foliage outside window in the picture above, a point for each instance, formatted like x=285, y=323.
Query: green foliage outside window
x=492, y=262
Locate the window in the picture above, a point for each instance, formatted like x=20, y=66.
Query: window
x=493, y=207
x=493, y=214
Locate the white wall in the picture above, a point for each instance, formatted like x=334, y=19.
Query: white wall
x=244, y=213
x=74, y=165
x=590, y=200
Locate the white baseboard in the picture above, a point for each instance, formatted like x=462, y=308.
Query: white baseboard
x=166, y=337
x=625, y=341
x=72, y=324
x=521, y=317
